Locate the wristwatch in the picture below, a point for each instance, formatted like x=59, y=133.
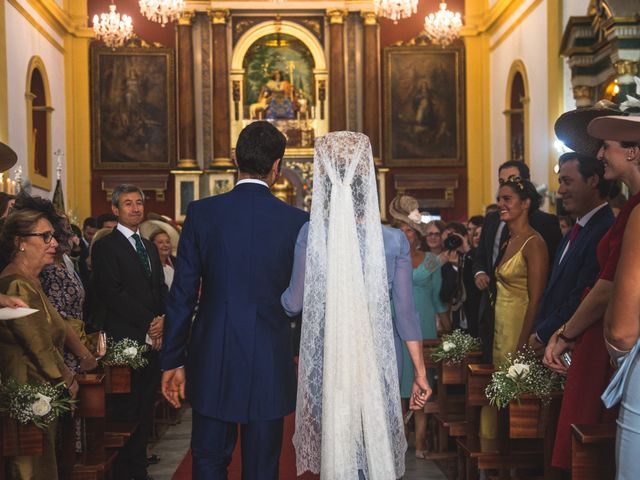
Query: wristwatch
x=563, y=336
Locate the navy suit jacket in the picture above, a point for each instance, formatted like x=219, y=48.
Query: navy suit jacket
x=569, y=278
x=237, y=250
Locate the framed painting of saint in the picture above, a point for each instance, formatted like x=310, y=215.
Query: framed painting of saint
x=132, y=108
x=424, y=100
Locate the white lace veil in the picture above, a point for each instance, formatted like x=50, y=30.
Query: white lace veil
x=348, y=414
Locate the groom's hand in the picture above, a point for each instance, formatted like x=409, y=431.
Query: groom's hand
x=173, y=382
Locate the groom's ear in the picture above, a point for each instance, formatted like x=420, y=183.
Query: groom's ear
x=277, y=166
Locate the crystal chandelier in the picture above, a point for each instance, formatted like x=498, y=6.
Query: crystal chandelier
x=111, y=28
x=444, y=26
x=395, y=9
x=161, y=11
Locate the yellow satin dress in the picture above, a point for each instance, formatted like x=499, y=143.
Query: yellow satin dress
x=512, y=300
x=31, y=350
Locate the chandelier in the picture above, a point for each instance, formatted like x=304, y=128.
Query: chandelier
x=161, y=11
x=395, y=9
x=111, y=28
x=444, y=26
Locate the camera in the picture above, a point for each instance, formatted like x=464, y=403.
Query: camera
x=452, y=242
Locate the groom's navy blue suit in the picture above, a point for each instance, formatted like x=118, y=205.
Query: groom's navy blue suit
x=236, y=251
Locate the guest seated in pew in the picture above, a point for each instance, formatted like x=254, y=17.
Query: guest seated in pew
x=621, y=137
x=31, y=347
x=583, y=190
x=582, y=335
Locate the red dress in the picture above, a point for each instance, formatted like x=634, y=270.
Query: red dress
x=590, y=368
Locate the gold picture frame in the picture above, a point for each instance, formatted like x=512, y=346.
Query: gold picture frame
x=424, y=100
x=133, y=107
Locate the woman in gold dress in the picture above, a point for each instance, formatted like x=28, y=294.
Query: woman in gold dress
x=521, y=278
x=31, y=347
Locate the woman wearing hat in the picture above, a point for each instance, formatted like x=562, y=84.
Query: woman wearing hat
x=621, y=137
x=426, y=289
x=590, y=370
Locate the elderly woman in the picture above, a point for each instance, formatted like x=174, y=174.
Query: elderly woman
x=31, y=347
x=162, y=241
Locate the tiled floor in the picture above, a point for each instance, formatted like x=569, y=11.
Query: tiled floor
x=175, y=443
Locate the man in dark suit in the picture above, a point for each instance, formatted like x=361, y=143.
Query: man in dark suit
x=237, y=249
x=128, y=282
x=575, y=267
x=493, y=240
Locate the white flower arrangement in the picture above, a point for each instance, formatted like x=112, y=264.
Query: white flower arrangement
x=522, y=373
x=126, y=352
x=40, y=403
x=454, y=347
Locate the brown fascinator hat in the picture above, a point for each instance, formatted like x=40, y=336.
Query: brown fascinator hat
x=8, y=157
x=405, y=209
x=571, y=127
x=620, y=129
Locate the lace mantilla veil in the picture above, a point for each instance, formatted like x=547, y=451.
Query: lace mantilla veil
x=348, y=414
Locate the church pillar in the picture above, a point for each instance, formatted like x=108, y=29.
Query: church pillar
x=337, y=97
x=186, y=106
x=371, y=84
x=221, y=114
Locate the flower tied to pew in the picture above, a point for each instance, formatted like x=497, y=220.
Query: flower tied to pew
x=125, y=352
x=522, y=373
x=454, y=347
x=37, y=402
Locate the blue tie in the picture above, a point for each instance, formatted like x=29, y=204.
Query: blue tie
x=142, y=254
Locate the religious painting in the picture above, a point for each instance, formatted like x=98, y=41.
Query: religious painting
x=424, y=106
x=133, y=107
x=279, y=86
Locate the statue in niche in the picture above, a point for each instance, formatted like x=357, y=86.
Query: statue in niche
x=278, y=93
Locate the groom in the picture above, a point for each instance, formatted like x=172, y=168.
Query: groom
x=236, y=256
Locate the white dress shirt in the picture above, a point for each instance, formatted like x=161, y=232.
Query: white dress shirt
x=582, y=221
x=128, y=233
x=252, y=180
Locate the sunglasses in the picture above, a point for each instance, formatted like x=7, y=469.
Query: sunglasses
x=46, y=236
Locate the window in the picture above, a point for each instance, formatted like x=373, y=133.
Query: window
x=38, y=124
x=517, y=113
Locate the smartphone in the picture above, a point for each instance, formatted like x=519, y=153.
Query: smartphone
x=565, y=358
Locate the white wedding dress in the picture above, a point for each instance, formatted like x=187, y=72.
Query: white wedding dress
x=348, y=414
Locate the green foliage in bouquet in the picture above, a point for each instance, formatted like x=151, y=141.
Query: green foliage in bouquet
x=522, y=373
x=125, y=352
x=454, y=347
x=40, y=403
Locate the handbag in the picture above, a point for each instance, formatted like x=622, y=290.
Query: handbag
x=613, y=393
x=97, y=343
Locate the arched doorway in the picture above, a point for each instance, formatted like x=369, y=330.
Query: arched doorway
x=517, y=113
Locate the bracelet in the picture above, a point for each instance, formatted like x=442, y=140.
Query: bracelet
x=563, y=336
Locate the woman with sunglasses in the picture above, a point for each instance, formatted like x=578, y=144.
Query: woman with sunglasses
x=521, y=277
x=31, y=347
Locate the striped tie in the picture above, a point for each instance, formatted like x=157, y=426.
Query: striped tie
x=142, y=254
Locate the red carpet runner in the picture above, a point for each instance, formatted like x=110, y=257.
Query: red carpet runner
x=287, y=459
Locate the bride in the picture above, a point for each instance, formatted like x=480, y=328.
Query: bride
x=348, y=416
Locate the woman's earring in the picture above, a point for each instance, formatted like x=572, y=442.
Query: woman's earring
x=22, y=249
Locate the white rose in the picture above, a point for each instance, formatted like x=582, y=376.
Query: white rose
x=446, y=346
x=415, y=216
x=42, y=406
x=130, y=352
x=518, y=371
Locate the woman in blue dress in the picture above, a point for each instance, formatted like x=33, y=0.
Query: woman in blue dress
x=427, y=281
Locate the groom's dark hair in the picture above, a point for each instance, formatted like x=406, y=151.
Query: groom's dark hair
x=259, y=145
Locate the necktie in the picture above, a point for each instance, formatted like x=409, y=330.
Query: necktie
x=142, y=254
x=574, y=232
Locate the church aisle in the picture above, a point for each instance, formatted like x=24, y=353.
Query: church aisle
x=173, y=446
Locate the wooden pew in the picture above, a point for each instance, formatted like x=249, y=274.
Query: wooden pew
x=593, y=452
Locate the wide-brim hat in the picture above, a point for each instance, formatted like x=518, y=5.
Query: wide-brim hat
x=8, y=157
x=571, y=127
x=405, y=209
x=149, y=227
x=620, y=129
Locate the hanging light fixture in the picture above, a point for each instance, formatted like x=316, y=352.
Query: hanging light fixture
x=111, y=28
x=443, y=27
x=395, y=9
x=162, y=11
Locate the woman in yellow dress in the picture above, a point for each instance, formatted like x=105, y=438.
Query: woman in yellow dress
x=521, y=278
x=31, y=347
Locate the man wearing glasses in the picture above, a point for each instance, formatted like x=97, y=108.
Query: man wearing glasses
x=493, y=241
